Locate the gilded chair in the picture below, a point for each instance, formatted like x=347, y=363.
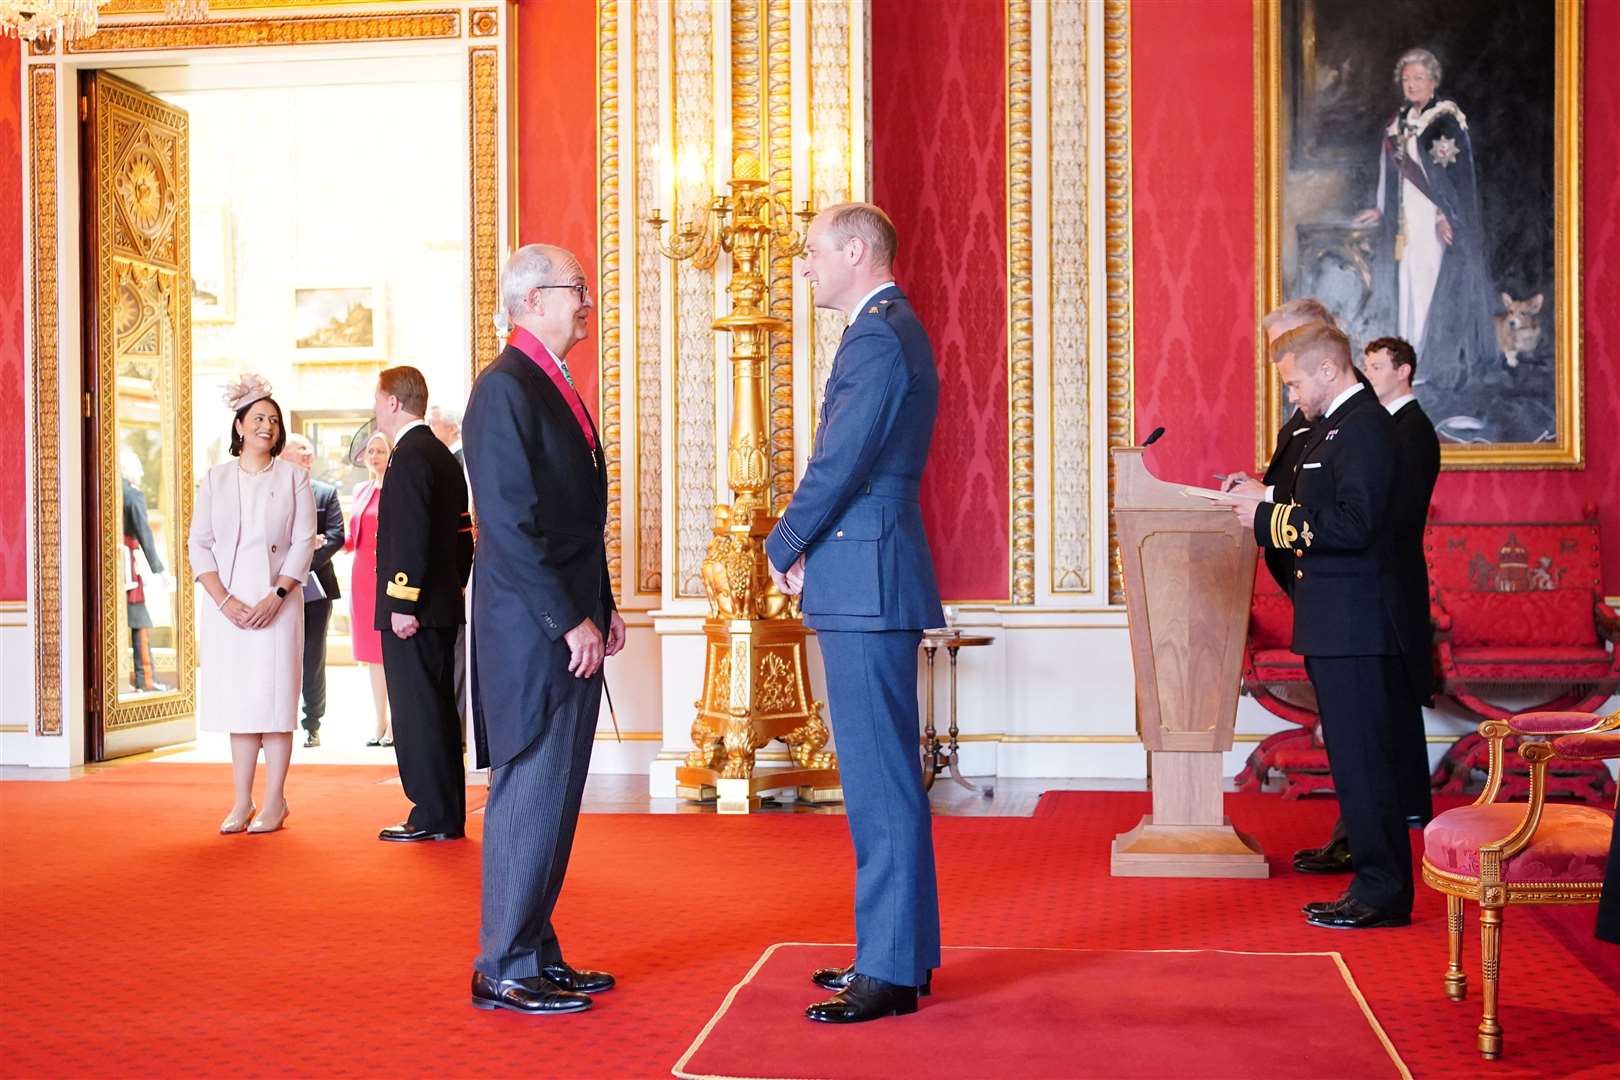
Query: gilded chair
x=1502, y=853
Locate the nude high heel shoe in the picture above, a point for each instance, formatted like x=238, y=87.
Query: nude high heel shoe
x=235, y=823
x=264, y=823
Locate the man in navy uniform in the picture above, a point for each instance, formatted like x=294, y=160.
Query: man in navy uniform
x=320, y=587
x=424, y=554
x=1347, y=612
x=852, y=542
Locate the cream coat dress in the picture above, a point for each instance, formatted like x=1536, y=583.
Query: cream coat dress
x=252, y=529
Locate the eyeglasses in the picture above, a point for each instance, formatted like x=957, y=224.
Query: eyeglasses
x=580, y=290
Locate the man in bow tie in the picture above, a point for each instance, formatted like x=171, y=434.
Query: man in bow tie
x=543, y=618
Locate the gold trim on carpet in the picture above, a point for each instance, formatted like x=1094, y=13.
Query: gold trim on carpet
x=1338, y=960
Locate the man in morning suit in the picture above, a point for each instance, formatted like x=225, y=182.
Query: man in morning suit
x=852, y=542
x=1347, y=612
x=424, y=553
x=543, y=618
x=446, y=425
x=320, y=587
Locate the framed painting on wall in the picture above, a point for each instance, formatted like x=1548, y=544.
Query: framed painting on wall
x=1418, y=171
x=339, y=324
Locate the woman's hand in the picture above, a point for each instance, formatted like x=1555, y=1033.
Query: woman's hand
x=236, y=611
x=263, y=613
x=1367, y=217
x=1443, y=228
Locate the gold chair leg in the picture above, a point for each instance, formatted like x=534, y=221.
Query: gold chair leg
x=1456, y=979
x=1490, y=949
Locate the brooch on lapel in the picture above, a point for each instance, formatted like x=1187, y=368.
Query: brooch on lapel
x=1332, y=433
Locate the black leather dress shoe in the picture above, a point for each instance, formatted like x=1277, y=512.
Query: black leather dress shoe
x=1336, y=844
x=865, y=998
x=580, y=982
x=406, y=833
x=1352, y=914
x=1332, y=860
x=1316, y=906
x=838, y=978
x=532, y=996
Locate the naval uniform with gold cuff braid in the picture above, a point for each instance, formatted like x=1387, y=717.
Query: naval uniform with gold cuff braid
x=1347, y=618
x=424, y=554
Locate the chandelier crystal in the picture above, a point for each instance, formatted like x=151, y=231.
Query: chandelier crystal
x=32, y=19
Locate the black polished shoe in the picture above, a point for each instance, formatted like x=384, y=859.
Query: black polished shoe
x=532, y=996
x=865, y=998
x=836, y=979
x=1332, y=860
x=1317, y=906
x=1336, y=844
x=1352, y=914
x=406, y=833
x=580, y=982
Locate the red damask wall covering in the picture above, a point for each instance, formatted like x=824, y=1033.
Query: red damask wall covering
x=13, y=432
x=939, y=168
x=1192, y=134
x=556, y=145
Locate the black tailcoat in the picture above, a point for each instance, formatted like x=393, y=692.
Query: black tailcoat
x=1417, y=467
x=424, y=536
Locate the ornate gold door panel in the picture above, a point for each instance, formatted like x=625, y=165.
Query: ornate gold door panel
x=141, y=659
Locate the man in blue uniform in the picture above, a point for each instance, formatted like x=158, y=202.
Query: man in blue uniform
x=1347, y=612
x=852, y=541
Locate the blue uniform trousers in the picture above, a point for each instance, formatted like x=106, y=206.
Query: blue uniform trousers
x=872, y=696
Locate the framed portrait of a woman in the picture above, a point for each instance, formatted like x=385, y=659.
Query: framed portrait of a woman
x=1418, y=171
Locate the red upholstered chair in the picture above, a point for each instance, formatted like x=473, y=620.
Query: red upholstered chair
x=1274, y=676
x=1502, y=853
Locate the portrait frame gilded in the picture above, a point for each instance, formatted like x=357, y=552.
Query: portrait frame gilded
x=1565, y=449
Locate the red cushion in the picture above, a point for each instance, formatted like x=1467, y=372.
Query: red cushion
x=1550, y=664
x=1590, y=747
x=1553, y=723
x=1542, y=617
x=1271, y=621
x=1279, y=665
x=1571, y=844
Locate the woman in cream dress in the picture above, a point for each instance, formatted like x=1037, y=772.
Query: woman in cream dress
x=251, y=541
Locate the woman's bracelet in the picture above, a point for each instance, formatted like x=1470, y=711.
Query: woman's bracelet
x=222, y=603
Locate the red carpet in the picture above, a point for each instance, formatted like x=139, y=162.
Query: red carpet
x=1081, y=1014
x=137, y=942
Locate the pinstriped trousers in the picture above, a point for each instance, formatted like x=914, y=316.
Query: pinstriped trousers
x=529, y=821
x=872, y=699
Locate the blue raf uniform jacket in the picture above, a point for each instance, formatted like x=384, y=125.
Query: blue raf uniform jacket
x=855, y=516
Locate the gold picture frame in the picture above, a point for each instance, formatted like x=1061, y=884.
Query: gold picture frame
x=339, y=324
x=1282, y=97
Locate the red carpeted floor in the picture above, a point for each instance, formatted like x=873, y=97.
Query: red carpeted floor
x=1090, y=1014
x=139, y=942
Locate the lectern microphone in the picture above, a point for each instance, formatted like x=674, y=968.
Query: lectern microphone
x=1153, y=438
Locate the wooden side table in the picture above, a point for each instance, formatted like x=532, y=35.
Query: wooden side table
x=938, y=757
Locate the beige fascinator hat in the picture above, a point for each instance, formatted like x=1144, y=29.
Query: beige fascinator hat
x=245, y=390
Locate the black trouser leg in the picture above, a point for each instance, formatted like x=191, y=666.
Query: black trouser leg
x=1608, y=918
x=427, y=735
x=1411, y=749
x=317, y=614
x=1358, y=696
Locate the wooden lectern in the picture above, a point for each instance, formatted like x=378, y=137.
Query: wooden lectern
x=1188, y=568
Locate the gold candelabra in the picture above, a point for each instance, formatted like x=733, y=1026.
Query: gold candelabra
x=756, y=683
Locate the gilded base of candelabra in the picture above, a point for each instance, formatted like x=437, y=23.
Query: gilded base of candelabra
x=756, y=682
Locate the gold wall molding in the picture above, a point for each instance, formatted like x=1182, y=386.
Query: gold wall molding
x=152, y=7
x=608, y=313
x=484, y=231
x=483, y=22
x=282, y=30
x=47, y=458
x=1021, y=299
x=778, y=135
x=746, y=64
x=1117, y=243
x=1069, y=299
x=649, y=278
x=694, y=341
x=831, y=176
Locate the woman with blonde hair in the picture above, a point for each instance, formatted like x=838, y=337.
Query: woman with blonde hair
x=362, y=540
x=250, y=544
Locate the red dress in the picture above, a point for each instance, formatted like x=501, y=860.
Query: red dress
x=363, y=581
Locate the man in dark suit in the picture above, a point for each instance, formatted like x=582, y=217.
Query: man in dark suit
x=543, y=618
x=320, y=587
x=424, y=553
x=1347, y=612
x=446, y=425
x=852, y=541
x=1390, y=365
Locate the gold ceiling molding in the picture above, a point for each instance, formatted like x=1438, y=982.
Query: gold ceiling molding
x=608, y=315
x=484, y=233
x=1117, y=240
x=1069, y=300
x=282, y=30
x=47, y=493
x=778, y=133
x=153, y=7
x=648, y=284
x=1021, y=299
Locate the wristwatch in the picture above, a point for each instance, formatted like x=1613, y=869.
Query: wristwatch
x=281, y=591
